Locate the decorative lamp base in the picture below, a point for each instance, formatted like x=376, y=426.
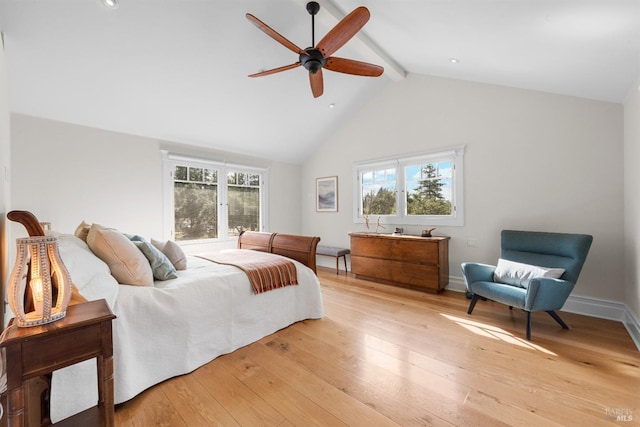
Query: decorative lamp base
x=34, y=319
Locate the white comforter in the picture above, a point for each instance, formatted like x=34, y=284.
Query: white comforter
x=178, y=325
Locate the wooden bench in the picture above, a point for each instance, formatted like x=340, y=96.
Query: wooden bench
x=334, y=252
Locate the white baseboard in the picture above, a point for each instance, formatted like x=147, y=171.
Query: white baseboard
x=456, y=284
x=594, y=307
x=633, y=327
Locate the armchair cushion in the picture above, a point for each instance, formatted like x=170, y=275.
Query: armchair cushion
x=519, y=274
x=510, y=295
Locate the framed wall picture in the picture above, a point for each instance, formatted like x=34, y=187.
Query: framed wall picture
x=327, y=194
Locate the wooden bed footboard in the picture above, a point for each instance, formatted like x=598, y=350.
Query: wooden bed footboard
x=256, y=240
x=300, y=248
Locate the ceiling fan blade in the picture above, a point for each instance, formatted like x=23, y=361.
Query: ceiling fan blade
x=317, y=83
x=350, y=66
x=275, y=70
x=343, y=31
x=274, y=34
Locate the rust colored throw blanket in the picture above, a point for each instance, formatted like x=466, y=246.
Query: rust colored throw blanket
x=265, y=271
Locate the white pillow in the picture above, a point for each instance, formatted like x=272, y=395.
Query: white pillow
x=519, y=274
x=127, y=264
x=88, y=272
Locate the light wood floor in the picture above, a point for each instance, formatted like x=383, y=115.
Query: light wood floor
x=385, y=356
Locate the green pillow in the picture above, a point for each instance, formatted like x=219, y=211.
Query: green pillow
x=161, y=267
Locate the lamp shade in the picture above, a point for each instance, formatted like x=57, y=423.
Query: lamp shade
x=39, y=271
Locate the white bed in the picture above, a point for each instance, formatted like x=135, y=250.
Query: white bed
x=175, y=326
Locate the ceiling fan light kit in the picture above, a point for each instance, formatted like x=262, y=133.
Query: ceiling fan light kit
x=312, y=60
x=317, y=57
x=110, y=4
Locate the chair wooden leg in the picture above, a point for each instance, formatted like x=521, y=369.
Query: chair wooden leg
x=529, y=325
x=557, y=318
x=344, y=257
x=474, y=300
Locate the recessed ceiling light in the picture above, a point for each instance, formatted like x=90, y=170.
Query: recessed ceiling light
x=454, y=60
x=111, y=4
x=332, y=105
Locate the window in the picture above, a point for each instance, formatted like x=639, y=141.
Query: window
x=195, y=203
x=428, y=188
x=379, y=191
x=210, y=200
x=423, y=189
x=243, y=195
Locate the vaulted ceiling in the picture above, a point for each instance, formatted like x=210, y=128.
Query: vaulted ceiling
x=177, y=70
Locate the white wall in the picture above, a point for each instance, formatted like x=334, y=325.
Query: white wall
x=5, y=156
x=533, y=161
x=284, y=199
x=65, y=173
x=632, y=199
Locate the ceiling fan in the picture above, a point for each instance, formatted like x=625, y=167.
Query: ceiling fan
x=317, y=57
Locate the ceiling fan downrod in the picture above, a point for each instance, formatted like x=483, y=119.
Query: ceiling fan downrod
x=312, y=59
x=313, y=7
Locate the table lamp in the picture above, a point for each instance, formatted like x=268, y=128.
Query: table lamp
x=39, y=266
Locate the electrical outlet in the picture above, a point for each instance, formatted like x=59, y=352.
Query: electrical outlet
x=472, y=243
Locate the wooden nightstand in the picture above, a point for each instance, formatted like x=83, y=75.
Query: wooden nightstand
x=37, y=351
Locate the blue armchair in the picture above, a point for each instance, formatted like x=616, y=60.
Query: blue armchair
x=550, y=250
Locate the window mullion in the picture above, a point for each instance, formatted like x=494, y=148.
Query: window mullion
x=402, y=191
x=223, y=203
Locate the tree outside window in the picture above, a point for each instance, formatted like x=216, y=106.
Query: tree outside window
x=428, y=189
x=195, y=203
x=379, y=191
x=243, y=194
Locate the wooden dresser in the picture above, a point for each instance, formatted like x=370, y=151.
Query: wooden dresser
x=411, y=261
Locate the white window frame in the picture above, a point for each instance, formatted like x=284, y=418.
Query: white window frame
x=170, y=160
x=455, y=154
